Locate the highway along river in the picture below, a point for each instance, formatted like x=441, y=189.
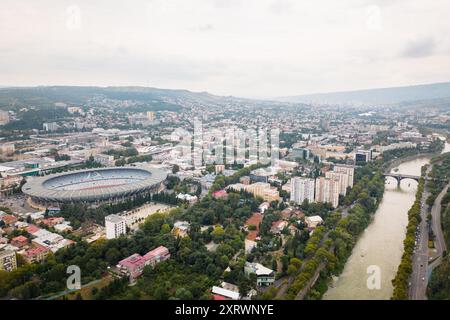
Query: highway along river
x=381, y=244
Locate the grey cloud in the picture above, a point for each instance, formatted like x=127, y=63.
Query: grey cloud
x=420, y=48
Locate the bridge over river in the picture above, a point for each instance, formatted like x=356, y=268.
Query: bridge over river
x=399, y=177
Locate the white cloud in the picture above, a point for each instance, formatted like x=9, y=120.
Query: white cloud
x=240, y=47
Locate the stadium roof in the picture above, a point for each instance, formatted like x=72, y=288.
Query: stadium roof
x=135, y=180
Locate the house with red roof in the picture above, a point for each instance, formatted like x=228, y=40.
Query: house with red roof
x=255, y=220
x=36, y=254
x=278, y=226
x=157, y=255
x=32, y=229
x=8, y=219
x=19, y=241
x=53, y=221
x=134, y=265
x=220, y=194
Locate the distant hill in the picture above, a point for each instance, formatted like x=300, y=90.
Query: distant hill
x=382, y=96
x=46, y=96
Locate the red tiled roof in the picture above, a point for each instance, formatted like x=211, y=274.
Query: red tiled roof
x=8, y=219
x=20, y=239
x=32, y=229
x=35, y=251
x=219, y=194
x=161, y=250
x=254, y=220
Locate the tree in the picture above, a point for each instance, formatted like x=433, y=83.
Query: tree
x=165, y=228
x=112, y=256
x=217, y=234
x=183, y=294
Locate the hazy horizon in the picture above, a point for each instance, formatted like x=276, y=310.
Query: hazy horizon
x=253, y=49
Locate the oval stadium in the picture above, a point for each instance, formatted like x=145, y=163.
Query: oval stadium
x=94, y=185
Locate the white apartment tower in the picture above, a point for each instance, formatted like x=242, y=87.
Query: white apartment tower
x=343, y=179
x=151, y=116
x=327, y=190
x=115, y=226
x=302, y=189
x=4, y=117
x=346, y=169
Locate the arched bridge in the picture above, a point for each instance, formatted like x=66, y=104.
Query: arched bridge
x=399, y=177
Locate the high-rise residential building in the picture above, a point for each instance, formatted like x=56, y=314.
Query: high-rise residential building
x=115, y=226
x=302, y=189
x=350, y=170
x=50, y=126
x=151, y=116
x=343, y=179
x=8, y=261
x=4, y=117
x=327, y=190
x=7, y=148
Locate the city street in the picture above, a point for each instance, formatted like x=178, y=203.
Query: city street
x=421, y=270
x=418, y=282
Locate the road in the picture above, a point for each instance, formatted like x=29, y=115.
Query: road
x=419, y=276
x=418, y=280
x=439, y=241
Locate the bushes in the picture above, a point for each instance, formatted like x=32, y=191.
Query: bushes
x=439, y=286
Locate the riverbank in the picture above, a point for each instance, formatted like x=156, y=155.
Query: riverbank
x=380, y=247
x=395, y=163
x=404, y=271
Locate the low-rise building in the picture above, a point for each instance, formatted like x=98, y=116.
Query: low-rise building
x=63, y=227
x=258, y=189
x=220, y=194
x=115, y=226
x=265, y=276
x=226, y=291
x=278, y=226
x=134, y=265
x=8, y=260
x=19, y=241
x=8, y=219
x=187, y=197
x=313, y=221
x=181, y=229
x=35, y=254
x=263, y=207
x=157, y=255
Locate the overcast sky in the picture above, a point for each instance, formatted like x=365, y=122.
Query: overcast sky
x=250, y=48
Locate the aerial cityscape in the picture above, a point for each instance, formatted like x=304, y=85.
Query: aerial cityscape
x=243, y=184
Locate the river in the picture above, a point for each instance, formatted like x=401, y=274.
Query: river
x=381, y=244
